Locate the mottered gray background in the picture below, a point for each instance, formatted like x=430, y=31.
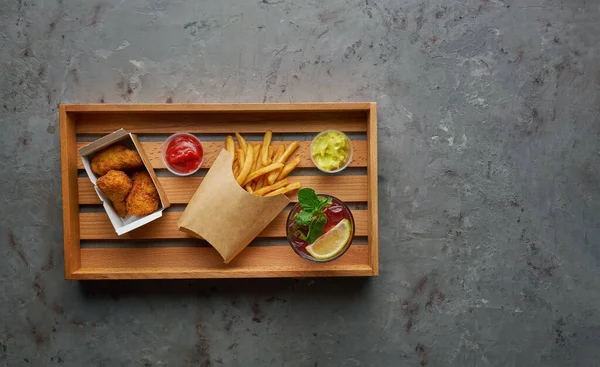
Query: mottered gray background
x=488, y=180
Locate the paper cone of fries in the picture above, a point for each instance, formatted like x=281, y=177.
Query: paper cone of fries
x=226, y=215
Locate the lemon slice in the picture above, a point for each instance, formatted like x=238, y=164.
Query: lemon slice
x=332, y=242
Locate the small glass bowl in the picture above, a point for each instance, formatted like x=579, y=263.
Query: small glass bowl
x=349, y=147
x=291, y=237
x=163, y=152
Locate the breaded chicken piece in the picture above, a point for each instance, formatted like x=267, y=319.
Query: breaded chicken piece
x=115, y=157
x=116, y=185
x=143, y=198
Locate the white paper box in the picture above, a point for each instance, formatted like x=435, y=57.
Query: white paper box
x=130, y=141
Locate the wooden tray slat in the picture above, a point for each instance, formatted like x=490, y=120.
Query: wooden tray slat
x=222, y=122
x=96, y=226
x=212, y=150
x=205, y=262
x=181, y=189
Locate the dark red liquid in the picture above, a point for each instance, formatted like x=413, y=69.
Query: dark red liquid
x=334, y=213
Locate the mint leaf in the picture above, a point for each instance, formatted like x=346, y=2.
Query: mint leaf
x=323, y=203
x=308, y=200
x=300, y=235
x=316, y=228
x=324, y=199
x=304, y=218
x=312, y=214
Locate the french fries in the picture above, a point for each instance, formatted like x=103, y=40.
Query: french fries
x=246, y=167
x=230, y=145
x=265, y=147
x=271, y=149
x=262, y=171
x=261, y=181
x=288, y=151
x=267, y=189
x=260, y=168
x=283, y=190
x=279, y=152
x=257, y=157
x=282, y=158
x=241, y=158
x=288, y=168
x=257, y=164
x=241, y=141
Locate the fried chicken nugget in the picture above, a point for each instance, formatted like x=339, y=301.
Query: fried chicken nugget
x=115, y=157
x=116, y=185
x=143, y=198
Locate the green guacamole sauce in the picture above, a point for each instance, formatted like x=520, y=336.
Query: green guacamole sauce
x=331, y=150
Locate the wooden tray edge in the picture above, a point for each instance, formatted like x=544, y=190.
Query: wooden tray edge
x=373, y=184
x=70, y=194
x=215, y=107
x=116, y=274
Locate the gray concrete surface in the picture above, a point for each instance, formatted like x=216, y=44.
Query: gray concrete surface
x=489, y=180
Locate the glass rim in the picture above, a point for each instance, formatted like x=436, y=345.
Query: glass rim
x=307, y=256
x=163, y=151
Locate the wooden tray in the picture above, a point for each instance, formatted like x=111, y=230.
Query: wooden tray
x=137, y=258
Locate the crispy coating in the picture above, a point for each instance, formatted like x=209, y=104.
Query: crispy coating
x=115, y=157
x=116, y=185
x=143, y=198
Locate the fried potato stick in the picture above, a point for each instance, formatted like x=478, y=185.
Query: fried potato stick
x=282, y=158
x=265, y=147
x=271, y=149
x=267, y=189
x=261, y=181
x=288, y=152
x=283, y=190
x=230, y=145
x=288, y=168
x=241, y=141
x=278, y=152
x=241, y=159
x=257, y=162
x=262, y=171
x=245, y=170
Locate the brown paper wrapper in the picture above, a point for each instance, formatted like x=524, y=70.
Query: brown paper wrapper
x=226, y=215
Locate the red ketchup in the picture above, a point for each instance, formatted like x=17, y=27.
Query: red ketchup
x=184, y=154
